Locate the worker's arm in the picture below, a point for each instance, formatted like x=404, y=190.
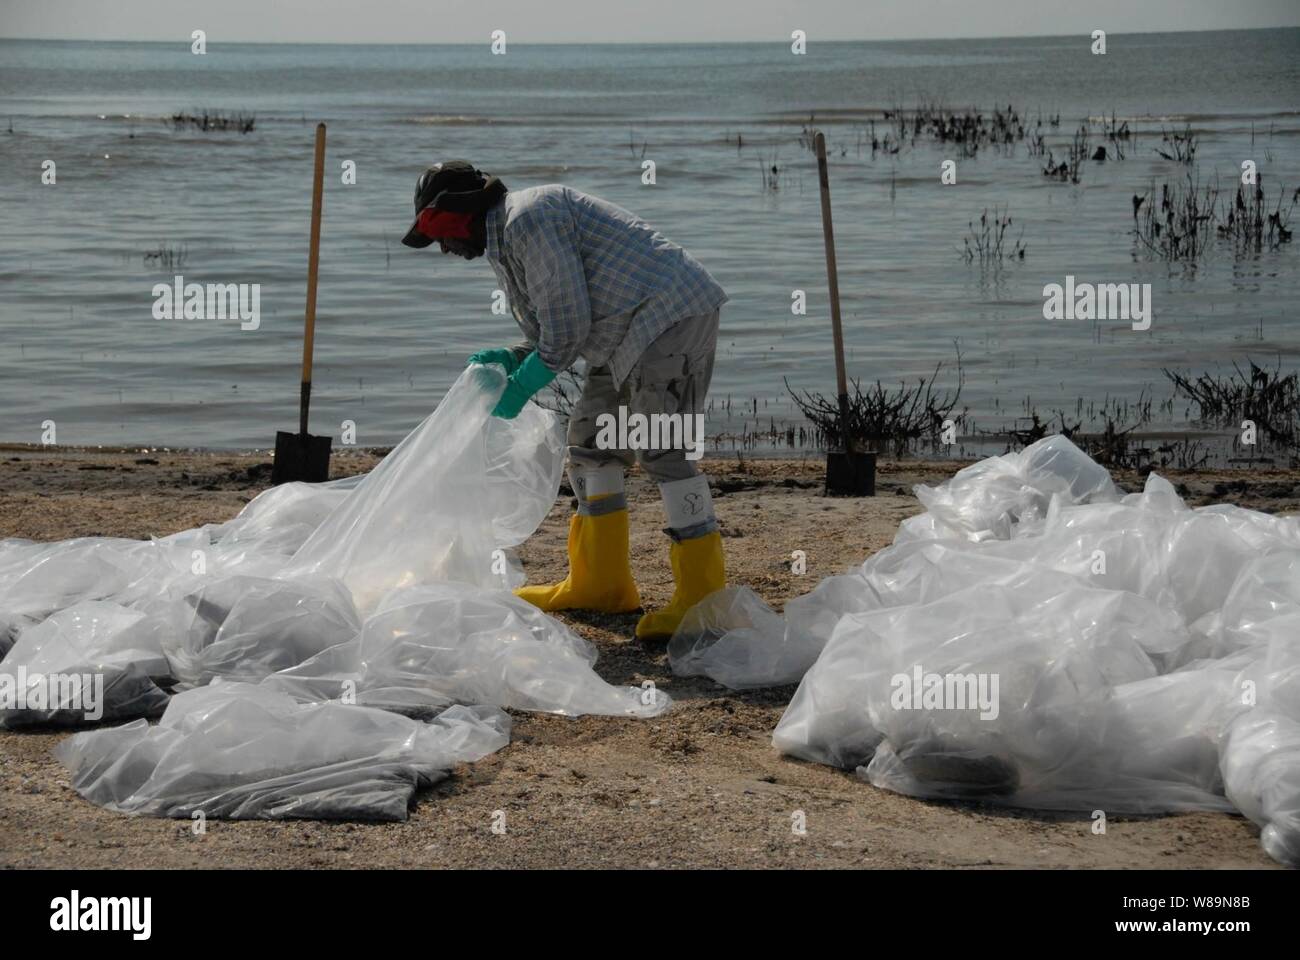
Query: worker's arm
x=530, y=377
x=521, y=349
x=546, y=247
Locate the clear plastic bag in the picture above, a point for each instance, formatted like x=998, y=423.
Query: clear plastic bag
x=246, y=628
x=986, y=500
x=1261, y=768
x=1145, y=654
x=438, y=643
x=294, y=573
x=1260, y=756
x=386, y=591
x=734, y=638
x=242, y=751
x=457, y=489
x=91, y=662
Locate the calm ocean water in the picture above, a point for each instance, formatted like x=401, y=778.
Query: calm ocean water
x=81, y=347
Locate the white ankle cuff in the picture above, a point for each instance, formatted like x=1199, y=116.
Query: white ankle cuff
x=595, y=481
x=687, y=502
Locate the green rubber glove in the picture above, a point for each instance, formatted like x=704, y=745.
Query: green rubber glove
x=500, y=355
x=531, y=376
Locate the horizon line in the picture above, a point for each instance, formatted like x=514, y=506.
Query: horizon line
x=647, y=43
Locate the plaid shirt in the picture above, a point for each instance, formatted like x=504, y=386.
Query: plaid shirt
x=588, y=279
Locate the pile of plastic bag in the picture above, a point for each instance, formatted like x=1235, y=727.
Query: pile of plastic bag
x=324, y=653
x=1038, y=639
x=242, y=751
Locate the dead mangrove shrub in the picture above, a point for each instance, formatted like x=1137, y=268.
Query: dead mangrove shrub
x=1186, y=218
x=888, y=419
x=1186, y=453
x=1268, y=398
x=166, y=257
x=1248, y=222
x=1117, y=134
x=1069, y=169
x=967, y=130
x=215, y=121
x=1178, y=223
x=987, y=243
x=1178, y=147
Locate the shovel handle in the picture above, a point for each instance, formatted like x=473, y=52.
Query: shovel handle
x=833, y=281
x=313, y=266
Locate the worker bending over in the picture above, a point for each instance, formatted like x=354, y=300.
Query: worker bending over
x=586, y=278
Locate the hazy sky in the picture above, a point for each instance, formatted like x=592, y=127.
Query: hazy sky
x=561, y=21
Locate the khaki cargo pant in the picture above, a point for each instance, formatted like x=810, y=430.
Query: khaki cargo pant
x=672, y=376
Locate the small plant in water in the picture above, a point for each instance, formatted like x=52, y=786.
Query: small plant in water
x=1250, y=224
x=987, y=241
x=166, y=257
x=1178, y=147
x=1068, y=170
x=215, y=121
x=1177, y=223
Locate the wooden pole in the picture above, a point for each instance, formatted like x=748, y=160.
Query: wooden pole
x=313, y=266
x=833, y=280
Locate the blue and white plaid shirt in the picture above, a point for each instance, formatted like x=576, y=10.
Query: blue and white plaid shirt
x=588, y=279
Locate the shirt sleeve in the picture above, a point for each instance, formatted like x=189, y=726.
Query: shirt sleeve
x=522, y=349
x=556, y=285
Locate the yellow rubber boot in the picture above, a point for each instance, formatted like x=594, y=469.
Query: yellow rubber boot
x=600, y=575
x=698, y=570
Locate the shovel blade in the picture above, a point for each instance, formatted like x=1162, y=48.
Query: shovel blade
x=300, y=456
